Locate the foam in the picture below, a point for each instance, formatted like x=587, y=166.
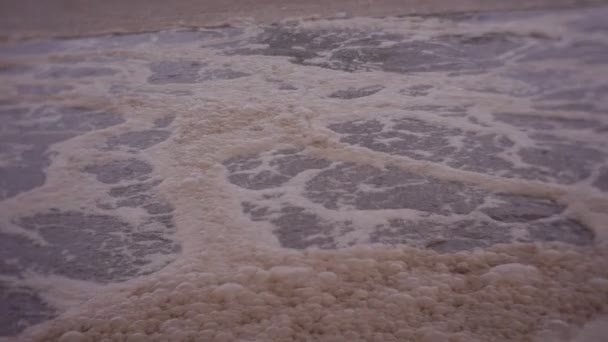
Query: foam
x=233, y=279
x=360, y=293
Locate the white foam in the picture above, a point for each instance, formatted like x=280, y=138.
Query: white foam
x=233, y=281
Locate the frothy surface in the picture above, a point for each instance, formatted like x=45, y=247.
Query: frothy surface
x=425, y=179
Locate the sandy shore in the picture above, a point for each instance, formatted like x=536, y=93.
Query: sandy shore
x=22, y=19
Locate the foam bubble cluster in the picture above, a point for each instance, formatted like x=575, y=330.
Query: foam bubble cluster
x=359, y=294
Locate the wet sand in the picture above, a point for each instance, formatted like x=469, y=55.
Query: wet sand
x=61, y=18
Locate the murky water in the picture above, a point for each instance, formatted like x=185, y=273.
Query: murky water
x=426, y=179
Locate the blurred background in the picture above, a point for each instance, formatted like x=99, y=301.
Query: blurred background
x=21, y=19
